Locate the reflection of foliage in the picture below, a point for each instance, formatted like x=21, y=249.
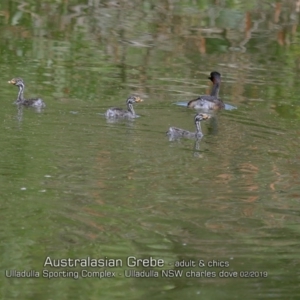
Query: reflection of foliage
x=118, y=190
x=115, y=40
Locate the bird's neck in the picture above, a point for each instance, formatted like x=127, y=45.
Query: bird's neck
x=21, y=91
x=198, y=127
x=130, y=108
x=215, y=89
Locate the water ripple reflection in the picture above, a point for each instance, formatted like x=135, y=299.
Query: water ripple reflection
x=75, y=185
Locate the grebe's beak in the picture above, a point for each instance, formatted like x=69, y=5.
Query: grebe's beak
x=12, y=82
x=206, y=116
x=138, y=99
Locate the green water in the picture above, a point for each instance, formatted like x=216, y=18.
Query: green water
x=74, y=185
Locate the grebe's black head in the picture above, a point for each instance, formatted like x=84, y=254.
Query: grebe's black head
x=134, y=99
x=17, y=81
x=200, y=117
x=215, y=76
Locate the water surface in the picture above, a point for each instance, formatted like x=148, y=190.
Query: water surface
x=74, y=185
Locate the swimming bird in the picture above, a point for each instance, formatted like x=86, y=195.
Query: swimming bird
x=115, y=112
x=175, y=133
x=33, y=102
x=212, y=101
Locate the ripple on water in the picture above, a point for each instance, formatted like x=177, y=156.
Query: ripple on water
x=184, y=104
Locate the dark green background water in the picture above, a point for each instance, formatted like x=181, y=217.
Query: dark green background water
x=74, y=185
